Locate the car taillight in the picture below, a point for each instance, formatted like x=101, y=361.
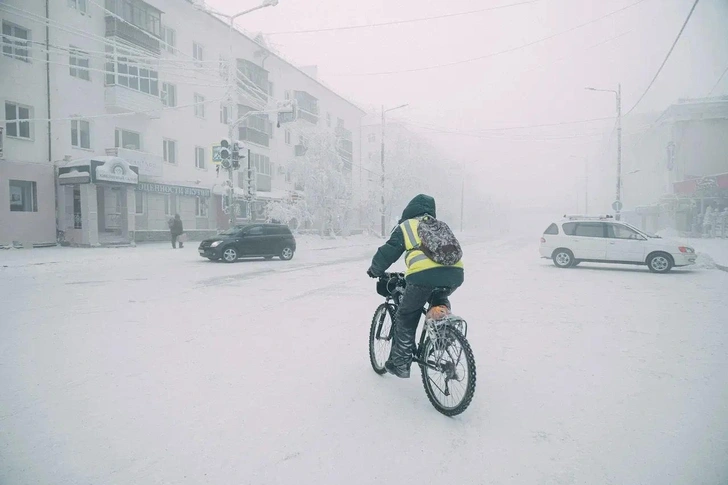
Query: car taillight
x=684, y=249
x=543, y=240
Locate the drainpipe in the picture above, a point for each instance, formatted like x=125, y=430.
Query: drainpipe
x=48, y=112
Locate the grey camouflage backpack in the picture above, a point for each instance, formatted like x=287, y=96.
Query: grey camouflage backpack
x=438, y=242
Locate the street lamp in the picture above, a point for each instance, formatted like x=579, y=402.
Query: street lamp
x=617, y=206
x=382, y=158
x=231, y=90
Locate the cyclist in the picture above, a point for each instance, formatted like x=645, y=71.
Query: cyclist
x=423, y=275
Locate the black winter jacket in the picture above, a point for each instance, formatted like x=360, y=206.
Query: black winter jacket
x=390, y=252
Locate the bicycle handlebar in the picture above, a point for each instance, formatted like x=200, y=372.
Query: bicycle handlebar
x=389, y=276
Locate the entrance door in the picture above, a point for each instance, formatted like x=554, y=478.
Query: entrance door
x=111, y=212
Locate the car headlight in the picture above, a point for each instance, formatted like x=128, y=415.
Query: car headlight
x=215, y=244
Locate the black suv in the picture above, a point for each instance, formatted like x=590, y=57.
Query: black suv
x=250, y=240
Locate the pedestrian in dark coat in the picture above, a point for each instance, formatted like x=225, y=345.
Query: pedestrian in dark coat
x=176, y=229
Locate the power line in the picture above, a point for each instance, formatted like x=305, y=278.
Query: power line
x=399, y=22
x=494, y=54
x=666, y=57
x=718, y=81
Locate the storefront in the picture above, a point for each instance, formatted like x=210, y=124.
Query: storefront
x=156, y=203
x=96, y=201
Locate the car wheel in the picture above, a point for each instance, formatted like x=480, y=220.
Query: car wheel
x=660, y=262
x=286, y=253
x=229, y=255
x=563, y=258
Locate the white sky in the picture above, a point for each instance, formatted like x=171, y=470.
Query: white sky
x=543, y=83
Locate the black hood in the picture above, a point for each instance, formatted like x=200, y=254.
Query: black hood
x=419, y=206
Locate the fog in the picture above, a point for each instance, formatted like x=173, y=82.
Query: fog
x=476, y=92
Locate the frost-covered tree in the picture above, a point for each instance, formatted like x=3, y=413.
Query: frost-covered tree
x=325, y=180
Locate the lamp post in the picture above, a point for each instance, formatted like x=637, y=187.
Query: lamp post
x=618, y=201
x=382, y=159
x=231, y=122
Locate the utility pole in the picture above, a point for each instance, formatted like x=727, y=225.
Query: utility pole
x=617, y=205
x=231, y=82
x=462, y=196
x=384, y=222
x=619, y=152
x=382, y=181
x=586, y=186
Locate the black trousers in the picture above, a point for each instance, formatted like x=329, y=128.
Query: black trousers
x=174, y=241
x=408, y=316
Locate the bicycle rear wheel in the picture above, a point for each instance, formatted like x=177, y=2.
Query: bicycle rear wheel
x=380, y=337
x=448, y=371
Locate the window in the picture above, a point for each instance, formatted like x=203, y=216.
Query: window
x=199, y=157
x=198, y=53
x=79, y=5
x=170, y=151
x=77, y=217
x=201, y=207
x=270, y=90
x=14, y=127
x=169, y=95
x=79, y=64
x=372, y=138
x=328, y=120
x=139, y=201
x=553, y=229
x=199, y=105
x=137, y=13
x=130, y=72
x=80, y=134
x=167, y=204
x=127, y=139
x=288, y=137
x=15, y=42
x=224, y=114
x=222, y=67
x=589, y=229
x=23, y=196
x=287, y=95
x=254, y=231
x=169, y=36
x=618, y=231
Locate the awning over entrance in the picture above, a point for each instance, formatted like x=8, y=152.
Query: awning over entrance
x=689, y=187
x=74, y=176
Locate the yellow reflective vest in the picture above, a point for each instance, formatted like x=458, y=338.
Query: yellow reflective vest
x=415, y=259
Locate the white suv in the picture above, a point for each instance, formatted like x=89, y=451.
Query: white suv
x=603, y=240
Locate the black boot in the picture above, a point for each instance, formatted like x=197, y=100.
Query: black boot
x=400, y=358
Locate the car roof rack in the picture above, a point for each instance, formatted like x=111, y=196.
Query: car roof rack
x=573, y=217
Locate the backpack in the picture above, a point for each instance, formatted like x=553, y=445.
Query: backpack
x=438, y=242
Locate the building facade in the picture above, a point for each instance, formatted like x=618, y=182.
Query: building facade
x=673, y=164
x=113, y=109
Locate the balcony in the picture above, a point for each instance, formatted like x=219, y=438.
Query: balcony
x=120, y=99
x=254, y=136
x=307, y=106
x=129, y=33
x=149, y=165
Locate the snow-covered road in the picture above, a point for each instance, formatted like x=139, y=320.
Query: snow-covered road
x=154, y=366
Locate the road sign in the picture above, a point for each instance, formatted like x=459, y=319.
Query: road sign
x=617, y=205
x=216, y=158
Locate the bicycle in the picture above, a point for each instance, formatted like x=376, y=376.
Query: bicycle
x=438, y=340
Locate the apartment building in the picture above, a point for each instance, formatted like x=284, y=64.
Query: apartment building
x=113, y=107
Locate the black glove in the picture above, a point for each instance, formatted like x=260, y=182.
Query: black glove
x=371, y=274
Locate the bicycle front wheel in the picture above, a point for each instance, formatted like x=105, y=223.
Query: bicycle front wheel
x=448, y=372
x=381, y=333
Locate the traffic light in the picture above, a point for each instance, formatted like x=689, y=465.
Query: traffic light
x=225, y=153
x=238, y=153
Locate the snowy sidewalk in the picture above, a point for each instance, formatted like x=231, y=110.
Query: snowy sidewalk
x=716, y=249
